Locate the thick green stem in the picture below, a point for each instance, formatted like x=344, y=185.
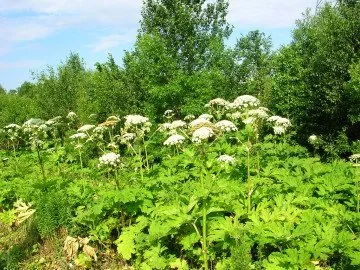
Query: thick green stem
x=204, y=227
x=146, y=154
x=40, y=162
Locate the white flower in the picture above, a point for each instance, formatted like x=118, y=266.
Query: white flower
x=312, y=139
x=175, y=140
x=281, y=124
x=199, y=121
x=249, y=120
x=133, y=120
x=110, y=159
x=86, y=128
x=284, y=122
x=259, y=113
x=168, y=113
x=273, y=118
x=226, y=125
x=231, y=106
x=178, y=124
x=165, y=126
x=235, y=115
x=246, y=101
x=79, y=135
x=201, y=134
x=12, y=126
x=71, y=115
x=113, y=118
x=128, y=137
x=189, y=117
x=217, y=102
x=100, y=129
x=278, y=130
x=206, y=116
x=226, y=159
x=354, y=157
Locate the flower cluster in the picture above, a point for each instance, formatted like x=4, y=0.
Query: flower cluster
x=226, y=126
x=71, y=116
x=202, y=134
x=354, y=157
x=217, y=102
x=206, y=116
x=85, y=128
x=226, y=159
x=110, y=159
x=140, y=123
x=312, y=139
x=78, y=136
x=175, y=139
x=244, y=101
x=281, y=124
x=199, y=121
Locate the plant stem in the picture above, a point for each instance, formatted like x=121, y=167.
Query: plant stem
x=204, y=227
x=40, y=162
x=146, y=154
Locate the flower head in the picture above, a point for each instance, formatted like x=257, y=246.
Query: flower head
x=71, y=116
x=202, y=134
x=226, y=159
x=312, y=139
x=217, y=102
x=178, y=124
x=246, y=101
x=189, y=117
x=206, y=116
x=226, y=125
x=174, y=140
x=199, y=121
x=86, y=128
x=79, y=136
x=110, y=159
x=354, y=157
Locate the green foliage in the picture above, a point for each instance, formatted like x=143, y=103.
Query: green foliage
x=312, y=72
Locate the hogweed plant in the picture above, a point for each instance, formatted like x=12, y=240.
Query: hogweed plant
x=36, y=131
x=355, y=158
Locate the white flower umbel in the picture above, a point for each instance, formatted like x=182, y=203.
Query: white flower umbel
x=246, y=101
x=312, y=139
x=86, y=128
x=79, y=135
x=226, y=159
x=178, y=124
x=189, y=117
x=259, y=113
x=206, y=116
x=278, y=130
x=169, y=113
x=354, y=157
x=202, y=134
x=175, y=139
x=217, y=102
x=165, y=127
x=199, y=121
x=273, y=118
x=226, y=126
x=110, y=159
x=134, y=120
x=71, y=115
x=12, y=126
x=235, y=115
x=127, y=137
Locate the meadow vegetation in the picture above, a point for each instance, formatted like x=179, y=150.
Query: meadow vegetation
x=192, y=154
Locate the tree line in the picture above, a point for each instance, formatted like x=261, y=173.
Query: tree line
x=180, y=60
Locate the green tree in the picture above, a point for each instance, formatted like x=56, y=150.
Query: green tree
x=310, y=74
x=180, y=43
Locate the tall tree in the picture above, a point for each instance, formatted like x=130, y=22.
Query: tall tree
x=311, y=73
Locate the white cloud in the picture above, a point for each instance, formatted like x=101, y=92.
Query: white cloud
x=268, y=13
x=26, y=64
x=111, y=41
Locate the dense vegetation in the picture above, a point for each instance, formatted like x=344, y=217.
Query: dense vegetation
x=123, y=167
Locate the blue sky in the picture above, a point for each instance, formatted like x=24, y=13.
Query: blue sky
x=37, y=33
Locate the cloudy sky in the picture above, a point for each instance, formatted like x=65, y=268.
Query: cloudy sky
x=36, y=33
